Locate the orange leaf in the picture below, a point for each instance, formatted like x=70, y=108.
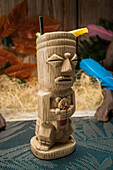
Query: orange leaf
x=26, y=46
x=6, y=56
x=2, y=20
x=15, y=17
x=50, y=25
x=31, y=26
x=21, y=70
x=32, y=79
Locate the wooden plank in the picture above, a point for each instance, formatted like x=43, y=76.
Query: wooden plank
x=89, y=12
x=63, y=11
x=70, y=20
x=7, y=5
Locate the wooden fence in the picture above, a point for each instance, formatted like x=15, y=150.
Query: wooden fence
x=71, y=13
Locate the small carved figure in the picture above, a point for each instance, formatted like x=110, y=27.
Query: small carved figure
x=56, y=60
x=105, y=111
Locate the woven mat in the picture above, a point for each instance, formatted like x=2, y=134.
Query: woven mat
x=94, y=149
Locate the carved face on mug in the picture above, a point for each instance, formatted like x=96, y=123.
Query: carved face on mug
x=56, y=60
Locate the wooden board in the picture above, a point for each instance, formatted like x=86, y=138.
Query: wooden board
x=63, y=11
x=71, y=13
x=90, y=11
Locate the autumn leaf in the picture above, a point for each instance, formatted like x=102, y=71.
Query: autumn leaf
x=26, y=46
x=31, y=79
x=2, y=21
x=15, y=17
x=31, y=26
x=50, y=25
x=6, y=56
x=20, y=71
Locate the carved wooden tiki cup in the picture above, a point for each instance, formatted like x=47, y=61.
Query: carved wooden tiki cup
x=56, y=59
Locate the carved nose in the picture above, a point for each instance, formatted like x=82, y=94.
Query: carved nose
x=66, y=67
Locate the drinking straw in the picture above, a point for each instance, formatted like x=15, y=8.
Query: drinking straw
x=41, y=25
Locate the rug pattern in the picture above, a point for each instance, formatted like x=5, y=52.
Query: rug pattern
x=94, y=149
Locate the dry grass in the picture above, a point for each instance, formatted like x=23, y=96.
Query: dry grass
x=88, y=92
x=17, y=97
x=21, y=98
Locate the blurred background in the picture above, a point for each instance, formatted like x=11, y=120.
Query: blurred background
x=18, y=27
x=71, y=13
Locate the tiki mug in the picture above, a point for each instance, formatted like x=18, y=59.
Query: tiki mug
x=56, y=60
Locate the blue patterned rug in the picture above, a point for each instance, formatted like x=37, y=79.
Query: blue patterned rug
x=94, y=149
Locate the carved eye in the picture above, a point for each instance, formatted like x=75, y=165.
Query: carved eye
x=74, y=59
x=55, y=60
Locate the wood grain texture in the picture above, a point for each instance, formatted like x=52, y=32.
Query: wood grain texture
x=65, y=11
x=71, y=13
x=62, y=10
x=59, y=10
x=7, y=5
x=90, y=11
x=56, y=99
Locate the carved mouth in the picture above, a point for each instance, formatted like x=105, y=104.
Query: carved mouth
x=63, y=80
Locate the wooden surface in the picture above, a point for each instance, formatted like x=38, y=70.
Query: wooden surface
x=71, y=13
x=90, y=11
x=56, y=99
x=63, y=11
x=56, y=9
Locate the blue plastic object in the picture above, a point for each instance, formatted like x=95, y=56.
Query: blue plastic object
x=93, y=68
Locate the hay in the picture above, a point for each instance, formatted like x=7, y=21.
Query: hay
x=22, y=98
x=88, y=92
x=17, y=97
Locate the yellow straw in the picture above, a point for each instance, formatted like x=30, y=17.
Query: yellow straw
x=79, y=32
